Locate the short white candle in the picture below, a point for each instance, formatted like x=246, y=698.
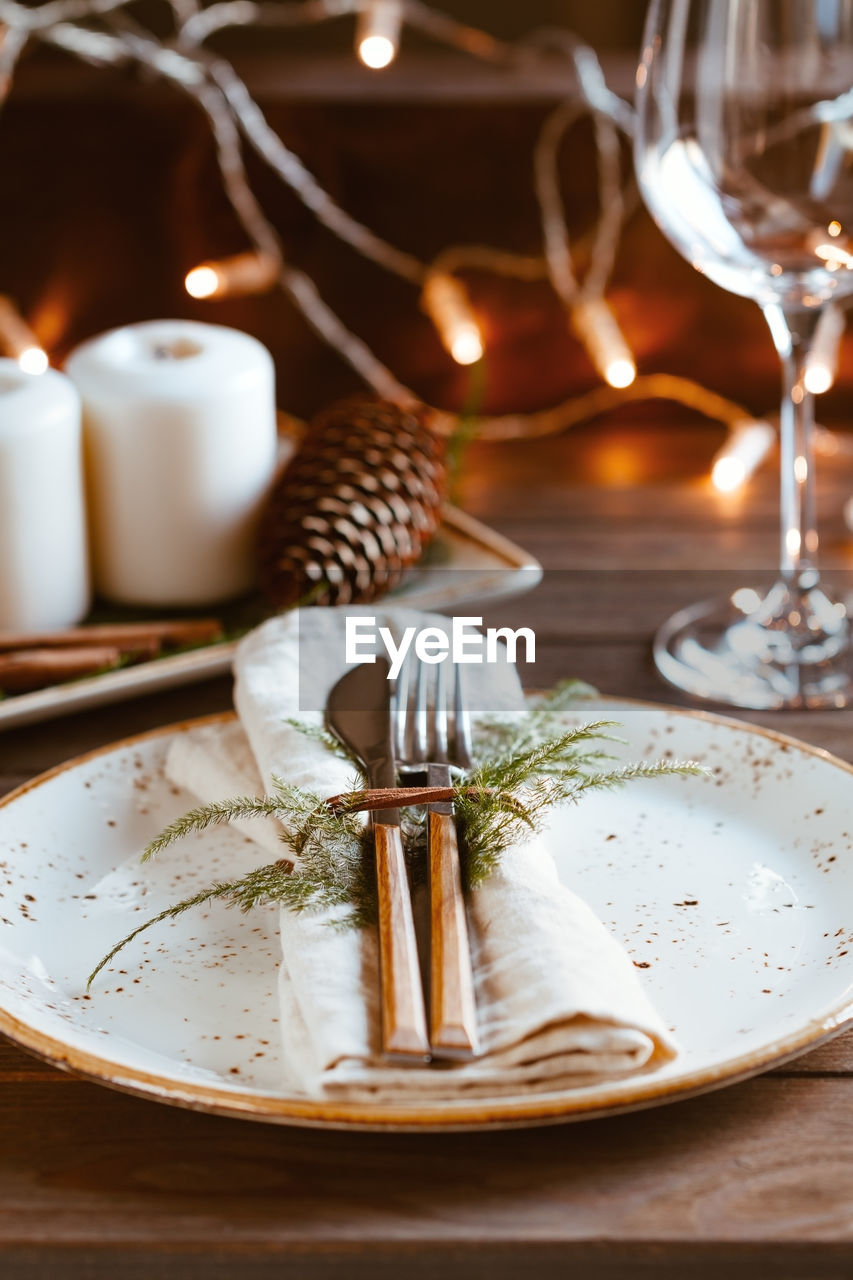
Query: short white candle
x=44, y=564
x=180, y=433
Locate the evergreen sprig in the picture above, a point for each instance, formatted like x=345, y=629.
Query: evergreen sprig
x=528, y=765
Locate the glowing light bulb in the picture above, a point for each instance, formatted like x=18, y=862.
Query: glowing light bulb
x=202, y=282
x=377, y=37
x=620, y=373
x=728, y=474
x=822, y=360
x=818, y=378
x=18, y=341
x=834, y=256
x=377, y=52
x=467, y=346
x=746, y=599
x=746, y=447
x=446, y=303
x=595, y=325
x=33, y=360
x=230, y=277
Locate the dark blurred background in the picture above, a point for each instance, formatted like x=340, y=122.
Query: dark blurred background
x=608, y=24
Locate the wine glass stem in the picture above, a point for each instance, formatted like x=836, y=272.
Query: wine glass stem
x=793, y=333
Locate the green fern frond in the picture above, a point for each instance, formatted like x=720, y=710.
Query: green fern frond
x=208, y=815
x=317, y=733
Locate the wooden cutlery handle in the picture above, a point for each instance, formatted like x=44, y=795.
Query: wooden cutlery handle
x=404, y=1030
x=453, y=1017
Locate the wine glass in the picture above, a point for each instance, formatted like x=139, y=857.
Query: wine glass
x=744, y=152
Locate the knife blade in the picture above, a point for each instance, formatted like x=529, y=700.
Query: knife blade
x=358, y=712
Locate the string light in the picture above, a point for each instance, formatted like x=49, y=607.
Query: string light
x=377, y=37
x=227, y=103
x=33, y=360
x=239, y=109
x=446, y=303
x=595, y=324
x=591, y=317
x=235, y=120
x=747, y=445
x=244, y=273
x=822, y=360
x=18, y=341
x=202, y=282
x=833, y=255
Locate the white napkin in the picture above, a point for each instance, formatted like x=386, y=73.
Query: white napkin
x=558, y=999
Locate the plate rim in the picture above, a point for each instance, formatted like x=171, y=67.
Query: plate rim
x=497, y=1113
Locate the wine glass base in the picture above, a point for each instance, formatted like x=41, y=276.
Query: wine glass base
x=764, y=651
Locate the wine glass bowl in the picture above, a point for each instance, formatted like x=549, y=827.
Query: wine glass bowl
x=744, y=155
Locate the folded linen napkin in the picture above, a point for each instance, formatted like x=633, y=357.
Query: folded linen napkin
x=558, y=999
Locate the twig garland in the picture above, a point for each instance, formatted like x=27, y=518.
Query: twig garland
x=102, y=33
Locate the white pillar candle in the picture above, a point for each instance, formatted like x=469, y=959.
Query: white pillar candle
x=44, y=563
x=180, y=435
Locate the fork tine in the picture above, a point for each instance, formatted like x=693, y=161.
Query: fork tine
x=401, y=711
x=439, y=718
x=462, y=750
x=420, y=744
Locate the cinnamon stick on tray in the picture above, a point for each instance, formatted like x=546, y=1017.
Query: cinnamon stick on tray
x=128, y=637
x=36, y=659
x=30, y=669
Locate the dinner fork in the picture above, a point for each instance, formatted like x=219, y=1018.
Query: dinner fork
x=425, y=744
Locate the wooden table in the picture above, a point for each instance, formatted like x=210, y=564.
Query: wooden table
x=752, y=1180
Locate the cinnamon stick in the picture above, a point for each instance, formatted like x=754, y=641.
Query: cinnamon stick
x=128, y=637
x=37, y=668
x=404, y=797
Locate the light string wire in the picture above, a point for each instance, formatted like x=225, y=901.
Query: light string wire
x=211, y=97
x=236, y=119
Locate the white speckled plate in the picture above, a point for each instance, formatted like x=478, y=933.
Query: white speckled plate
x=732, y=895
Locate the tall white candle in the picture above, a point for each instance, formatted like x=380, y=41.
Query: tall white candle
x=179, y=426
x=44, y=564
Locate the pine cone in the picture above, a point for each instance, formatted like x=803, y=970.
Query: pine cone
x=355, y=508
